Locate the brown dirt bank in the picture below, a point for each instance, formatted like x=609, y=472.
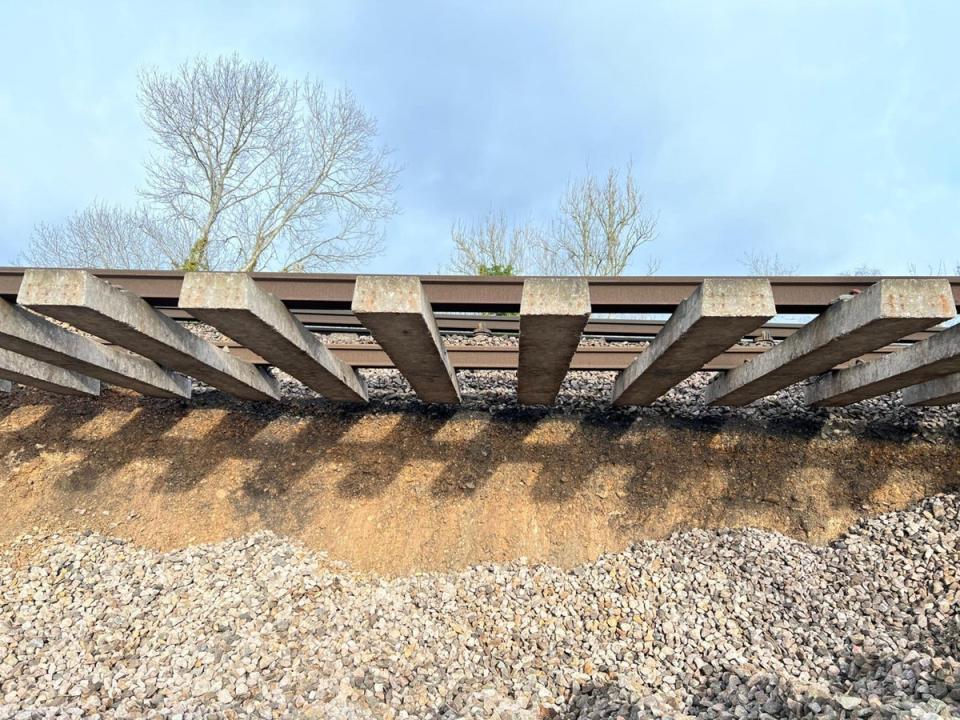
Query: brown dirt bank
x=399, y=491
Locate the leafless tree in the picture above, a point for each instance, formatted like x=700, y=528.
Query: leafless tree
x=490, y=245
x=863, y=271
x=758, y=262
x=264, y=172
x=545, y=256
x=601, y=224
x=101, y=235
x=941, y=269
x=250, y=171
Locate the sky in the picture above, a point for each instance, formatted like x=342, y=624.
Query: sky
x=827, y=133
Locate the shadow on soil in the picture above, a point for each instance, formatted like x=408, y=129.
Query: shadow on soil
x=448, y=486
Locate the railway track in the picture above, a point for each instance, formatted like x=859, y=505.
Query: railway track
x=457, y=293
x=870, y=335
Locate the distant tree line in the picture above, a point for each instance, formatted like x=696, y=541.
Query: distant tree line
x=758, y=262
x=251, y=171
x=599, y=224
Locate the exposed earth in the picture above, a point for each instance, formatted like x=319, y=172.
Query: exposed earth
x=398, y=488
x=214, y=558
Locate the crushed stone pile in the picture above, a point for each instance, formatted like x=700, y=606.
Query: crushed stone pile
x=725, y=624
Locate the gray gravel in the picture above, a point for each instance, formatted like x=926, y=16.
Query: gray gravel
x=588, y=393
x=728, y=624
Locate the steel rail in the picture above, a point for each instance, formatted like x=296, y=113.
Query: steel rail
x=481, y=294
x=479, y=357
x=333, y=321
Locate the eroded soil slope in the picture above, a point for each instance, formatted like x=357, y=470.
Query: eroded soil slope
x=395, y=491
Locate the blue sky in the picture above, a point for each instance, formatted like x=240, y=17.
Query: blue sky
x=826, y=132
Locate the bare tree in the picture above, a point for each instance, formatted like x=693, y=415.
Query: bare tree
x=941, y=269
x=761, y=263
x=250, y=171
x=863, y=271
x=265, y=172
x=101, y=235
x=546, y=257
x=598, y=228
x=490, y=246
x=601, y=224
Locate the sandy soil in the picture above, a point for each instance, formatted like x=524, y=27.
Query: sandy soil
x=397, y=492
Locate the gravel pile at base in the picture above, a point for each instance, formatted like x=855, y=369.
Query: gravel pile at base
x=727, y=624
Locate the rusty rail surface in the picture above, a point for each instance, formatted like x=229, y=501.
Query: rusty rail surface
x=475, y=357
x=343, y=321
x=452, y=293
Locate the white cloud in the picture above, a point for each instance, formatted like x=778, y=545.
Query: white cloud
x=821, y=131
